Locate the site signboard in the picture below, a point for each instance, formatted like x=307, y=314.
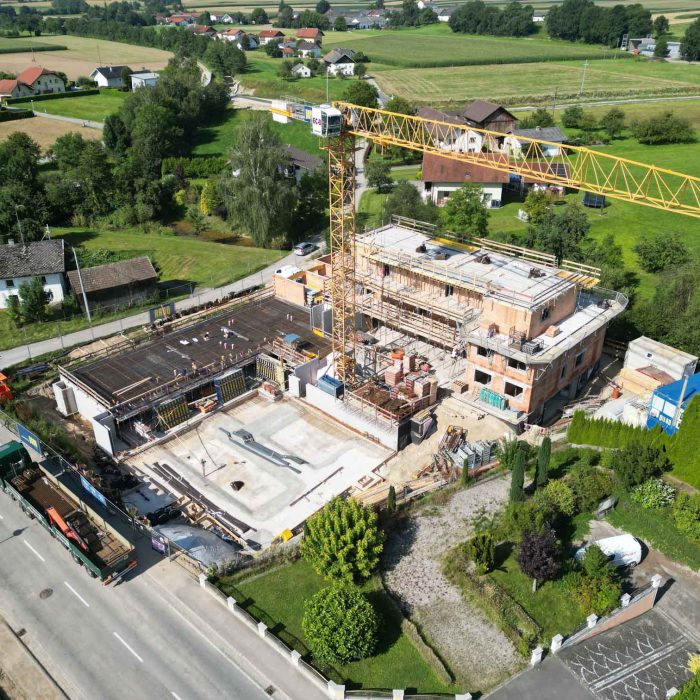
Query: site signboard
x=93, y=491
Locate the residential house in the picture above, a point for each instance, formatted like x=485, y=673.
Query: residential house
x=288, y=44
x=32, y=81
x=310, y=34
x=268, y=35
x=442, y=176
x=445, y=13
x=288, y=53
x=539, y=17
x=339, y=61
x=161, y=18
x=183, y=18
x=300, y=162
x=147, y=79
x=301, y=71
x=427, y=5
x=517, y=141
x=359, y=19
x=121, y=284
x=19, y=264
x=221, y=19
x=202, y=30
x=308, y=49
x=458, y=137
x=491, y=116
x=109, y=76
x=647, y=46
x=243, y=40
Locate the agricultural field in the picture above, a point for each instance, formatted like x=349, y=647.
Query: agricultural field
x=83, y=55
x=23, y=44
x=45, y=131
x=527, y=83
x=90, y=107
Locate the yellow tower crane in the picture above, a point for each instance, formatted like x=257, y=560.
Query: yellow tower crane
x=574, y=167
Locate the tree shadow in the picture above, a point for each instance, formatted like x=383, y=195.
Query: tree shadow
x=501, y=553
x=80, y=237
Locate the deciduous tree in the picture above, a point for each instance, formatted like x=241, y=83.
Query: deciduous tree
x=361, y=93
x=539, y=555
x=378, y=173
x=465, y=213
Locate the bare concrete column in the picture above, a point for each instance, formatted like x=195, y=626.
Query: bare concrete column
x=203, y=580
x=536, y=657
x=295, y=656
x=262, y=628
x=335, y=691
x=397, y=694
x=591, y=620
x=231, y=603
x=464, y=696
x=557, y=640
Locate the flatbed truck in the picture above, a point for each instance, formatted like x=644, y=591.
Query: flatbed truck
x=40, y=492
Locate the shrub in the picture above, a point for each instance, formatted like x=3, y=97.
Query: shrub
x=654, y=493
x=663, y=128
x=519, y=517
x=572, y=117
x=559, y=497
x=590, y=487
x=543, y=457
x=8, y=116
x=517, y=477
x=694, y=664
x=539, y=555
x=340, y=625
x=481, y=549
x=689, y=690
x=686, y=514
x=637, y=463
x=593, y=595
x=343, y=540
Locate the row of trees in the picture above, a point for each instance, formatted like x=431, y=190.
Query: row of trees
x=476, y=17
x=583, y=20
x=410, y=15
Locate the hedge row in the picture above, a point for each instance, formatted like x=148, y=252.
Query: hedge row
x=7, y=116
x=54, y=96
x=26, y=49
x=194, y=167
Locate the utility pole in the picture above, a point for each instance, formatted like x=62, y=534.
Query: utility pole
x=583, y=78
x=82, y=287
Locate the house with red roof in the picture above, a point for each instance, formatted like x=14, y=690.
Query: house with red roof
x=32, y=81
x=202, y=30
x=310, y=34
x=268, y=35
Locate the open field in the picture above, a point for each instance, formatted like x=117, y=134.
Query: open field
x=525, y=83
x=22, y=44
x=90, y=107
x=45, y=131
x=277, y=598
x=179, y=258
x=83, y=55
x=437, y=45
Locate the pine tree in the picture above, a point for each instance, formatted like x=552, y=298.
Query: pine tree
x=543, y=463
x=517, y=478
x=391, y=500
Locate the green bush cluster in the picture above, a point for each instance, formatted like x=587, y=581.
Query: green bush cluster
x=653, y=493
x=193, y=167
x=611, y=433
x=686, y=514
x=7, y=116
x=53, y=96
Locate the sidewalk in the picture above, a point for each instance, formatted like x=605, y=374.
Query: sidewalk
x=87, y=335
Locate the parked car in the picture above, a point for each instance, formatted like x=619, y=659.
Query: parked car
x=623, y=550
x=304, y=248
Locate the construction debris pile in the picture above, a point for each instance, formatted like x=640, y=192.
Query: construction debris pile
x=456, y=452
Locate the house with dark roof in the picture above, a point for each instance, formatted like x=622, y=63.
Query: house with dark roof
x=202, y=30
x=308, y=49
x=32, y=81
x=19, y=264
x=121, y=284
x=300, y=162
x=442, y=176
x=518, y=141
x=491, y=116
x=339, y=61
x=445, y=13
x=453, y=133
x=109, y=76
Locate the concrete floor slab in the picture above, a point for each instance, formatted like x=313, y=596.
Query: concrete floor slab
x=273, y=498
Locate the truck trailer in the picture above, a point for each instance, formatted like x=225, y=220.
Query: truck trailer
x=42, y=494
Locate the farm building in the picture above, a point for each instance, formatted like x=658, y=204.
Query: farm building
x=647, y=46
x=339, y=61
x=19, y=264
x=114, y=285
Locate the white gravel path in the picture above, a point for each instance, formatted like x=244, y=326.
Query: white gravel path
x=476, y=651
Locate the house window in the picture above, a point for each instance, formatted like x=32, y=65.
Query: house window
x=43, y=279
x=517, y=364
x=386, y=270
x=545, y=314
x=482, y=377
x=9, y=283
x=564, y=370
x=449, y=290
x=513, y=390
x=579, y=358
x=482, y=352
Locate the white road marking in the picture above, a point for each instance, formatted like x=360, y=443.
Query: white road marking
x=175, y=695
x=77, y=595
x=34, y=550
x=128, y=647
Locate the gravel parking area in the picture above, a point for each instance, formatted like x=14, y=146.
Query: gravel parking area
x=476, y=651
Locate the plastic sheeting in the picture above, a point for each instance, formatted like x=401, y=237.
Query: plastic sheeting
x=202, y=545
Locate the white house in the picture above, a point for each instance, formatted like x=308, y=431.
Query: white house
x=539, y=17
x=457, y=138
x=32, y=81
x=268, y=35
x=445, y=13
x=339, y=61
x=426, y=4
x=647, y=46
x=301, y=71
x=308, y=49
x=238, y=37
x=221, y=19
x=442, y=176
x=139, y=80
x=108, y=76
x=19, y=264
x=518, y=140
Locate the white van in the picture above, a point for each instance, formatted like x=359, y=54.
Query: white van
x=623, y=550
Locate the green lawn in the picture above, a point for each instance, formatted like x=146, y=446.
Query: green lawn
x=8, y=45
x=657, y=529
x=277, y=599
x=179, y=257
x=89, y=107
x=550, y=607
x=217, y=138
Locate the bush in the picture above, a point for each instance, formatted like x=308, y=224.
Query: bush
x=689, y=690
x=595, y=584
x=637, y=463
x=340, y=625
x=343, y=540
x=663, y=128
x=481, y=549
x=686, y=514
x=519, y=517
x=654, y=493
x=590, y=487
x=53, y=96
x=661, y=252
x=558, y=496
x=8, y=116
x=572, y=118
x=193, y=167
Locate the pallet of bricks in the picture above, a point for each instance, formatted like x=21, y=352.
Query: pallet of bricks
x=409, y=378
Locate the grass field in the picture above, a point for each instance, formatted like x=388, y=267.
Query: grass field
x=22, y=44
x=525, y=83
x=45, y=131
x=90, y=107
x=438, y=45
x=84, y=54
x=218, y=138
x=179, y=258
x=277, y=598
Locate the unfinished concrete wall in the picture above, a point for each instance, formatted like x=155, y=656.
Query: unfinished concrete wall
x=288, y=289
